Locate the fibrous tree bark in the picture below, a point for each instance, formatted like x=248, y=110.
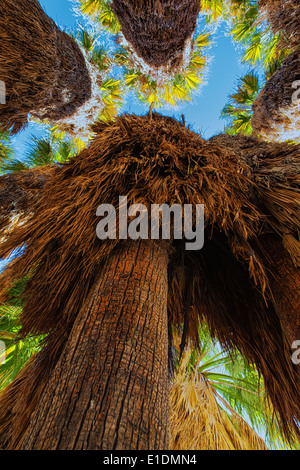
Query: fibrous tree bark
x=110, y=389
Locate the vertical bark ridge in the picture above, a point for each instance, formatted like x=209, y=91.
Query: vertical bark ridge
x=109, y=389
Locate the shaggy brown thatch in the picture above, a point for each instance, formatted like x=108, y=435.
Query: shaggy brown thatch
x=197, y=420
x=284, y=17
x=276, y=111
x=285, y=281
x=19, y=192
x=158, y=30
x=249, y=188
x=43, y=68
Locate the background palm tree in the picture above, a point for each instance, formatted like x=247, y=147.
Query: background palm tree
x=158, y=32
x=283, y=17
x=81, y=280
x=63, y=235
x=107, y=92
x=278, y=119
x=265, y=52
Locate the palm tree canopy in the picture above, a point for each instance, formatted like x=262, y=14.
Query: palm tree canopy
x=227, y=175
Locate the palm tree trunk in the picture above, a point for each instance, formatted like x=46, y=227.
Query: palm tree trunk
x=43, y=68
x=109, y=389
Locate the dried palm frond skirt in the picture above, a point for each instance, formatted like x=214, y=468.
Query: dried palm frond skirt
x=159, y=31
x=276, y=111
x=44, y=71
x=284, y=17
x=250, y=190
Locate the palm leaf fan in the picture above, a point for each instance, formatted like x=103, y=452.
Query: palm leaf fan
x=43, y=69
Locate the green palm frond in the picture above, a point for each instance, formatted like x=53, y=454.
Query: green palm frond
x=253, y=53
x=17, y=350
x=251, y=83
x=100, y=10
x=91, y=7
x=86, y=39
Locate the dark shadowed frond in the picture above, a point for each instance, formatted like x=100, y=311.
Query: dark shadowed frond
x=249, y=188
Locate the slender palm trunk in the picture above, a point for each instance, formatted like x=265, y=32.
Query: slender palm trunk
x=109, y=389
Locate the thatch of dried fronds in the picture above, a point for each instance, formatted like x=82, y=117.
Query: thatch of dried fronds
x=198, y=422
x=284, y=17
x=159, y=31
x=248, y=188
x=18, y=194
x=276, y=111
x=43, y=68
x=285, y=281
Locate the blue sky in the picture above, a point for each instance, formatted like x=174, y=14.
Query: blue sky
x=202, y=114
